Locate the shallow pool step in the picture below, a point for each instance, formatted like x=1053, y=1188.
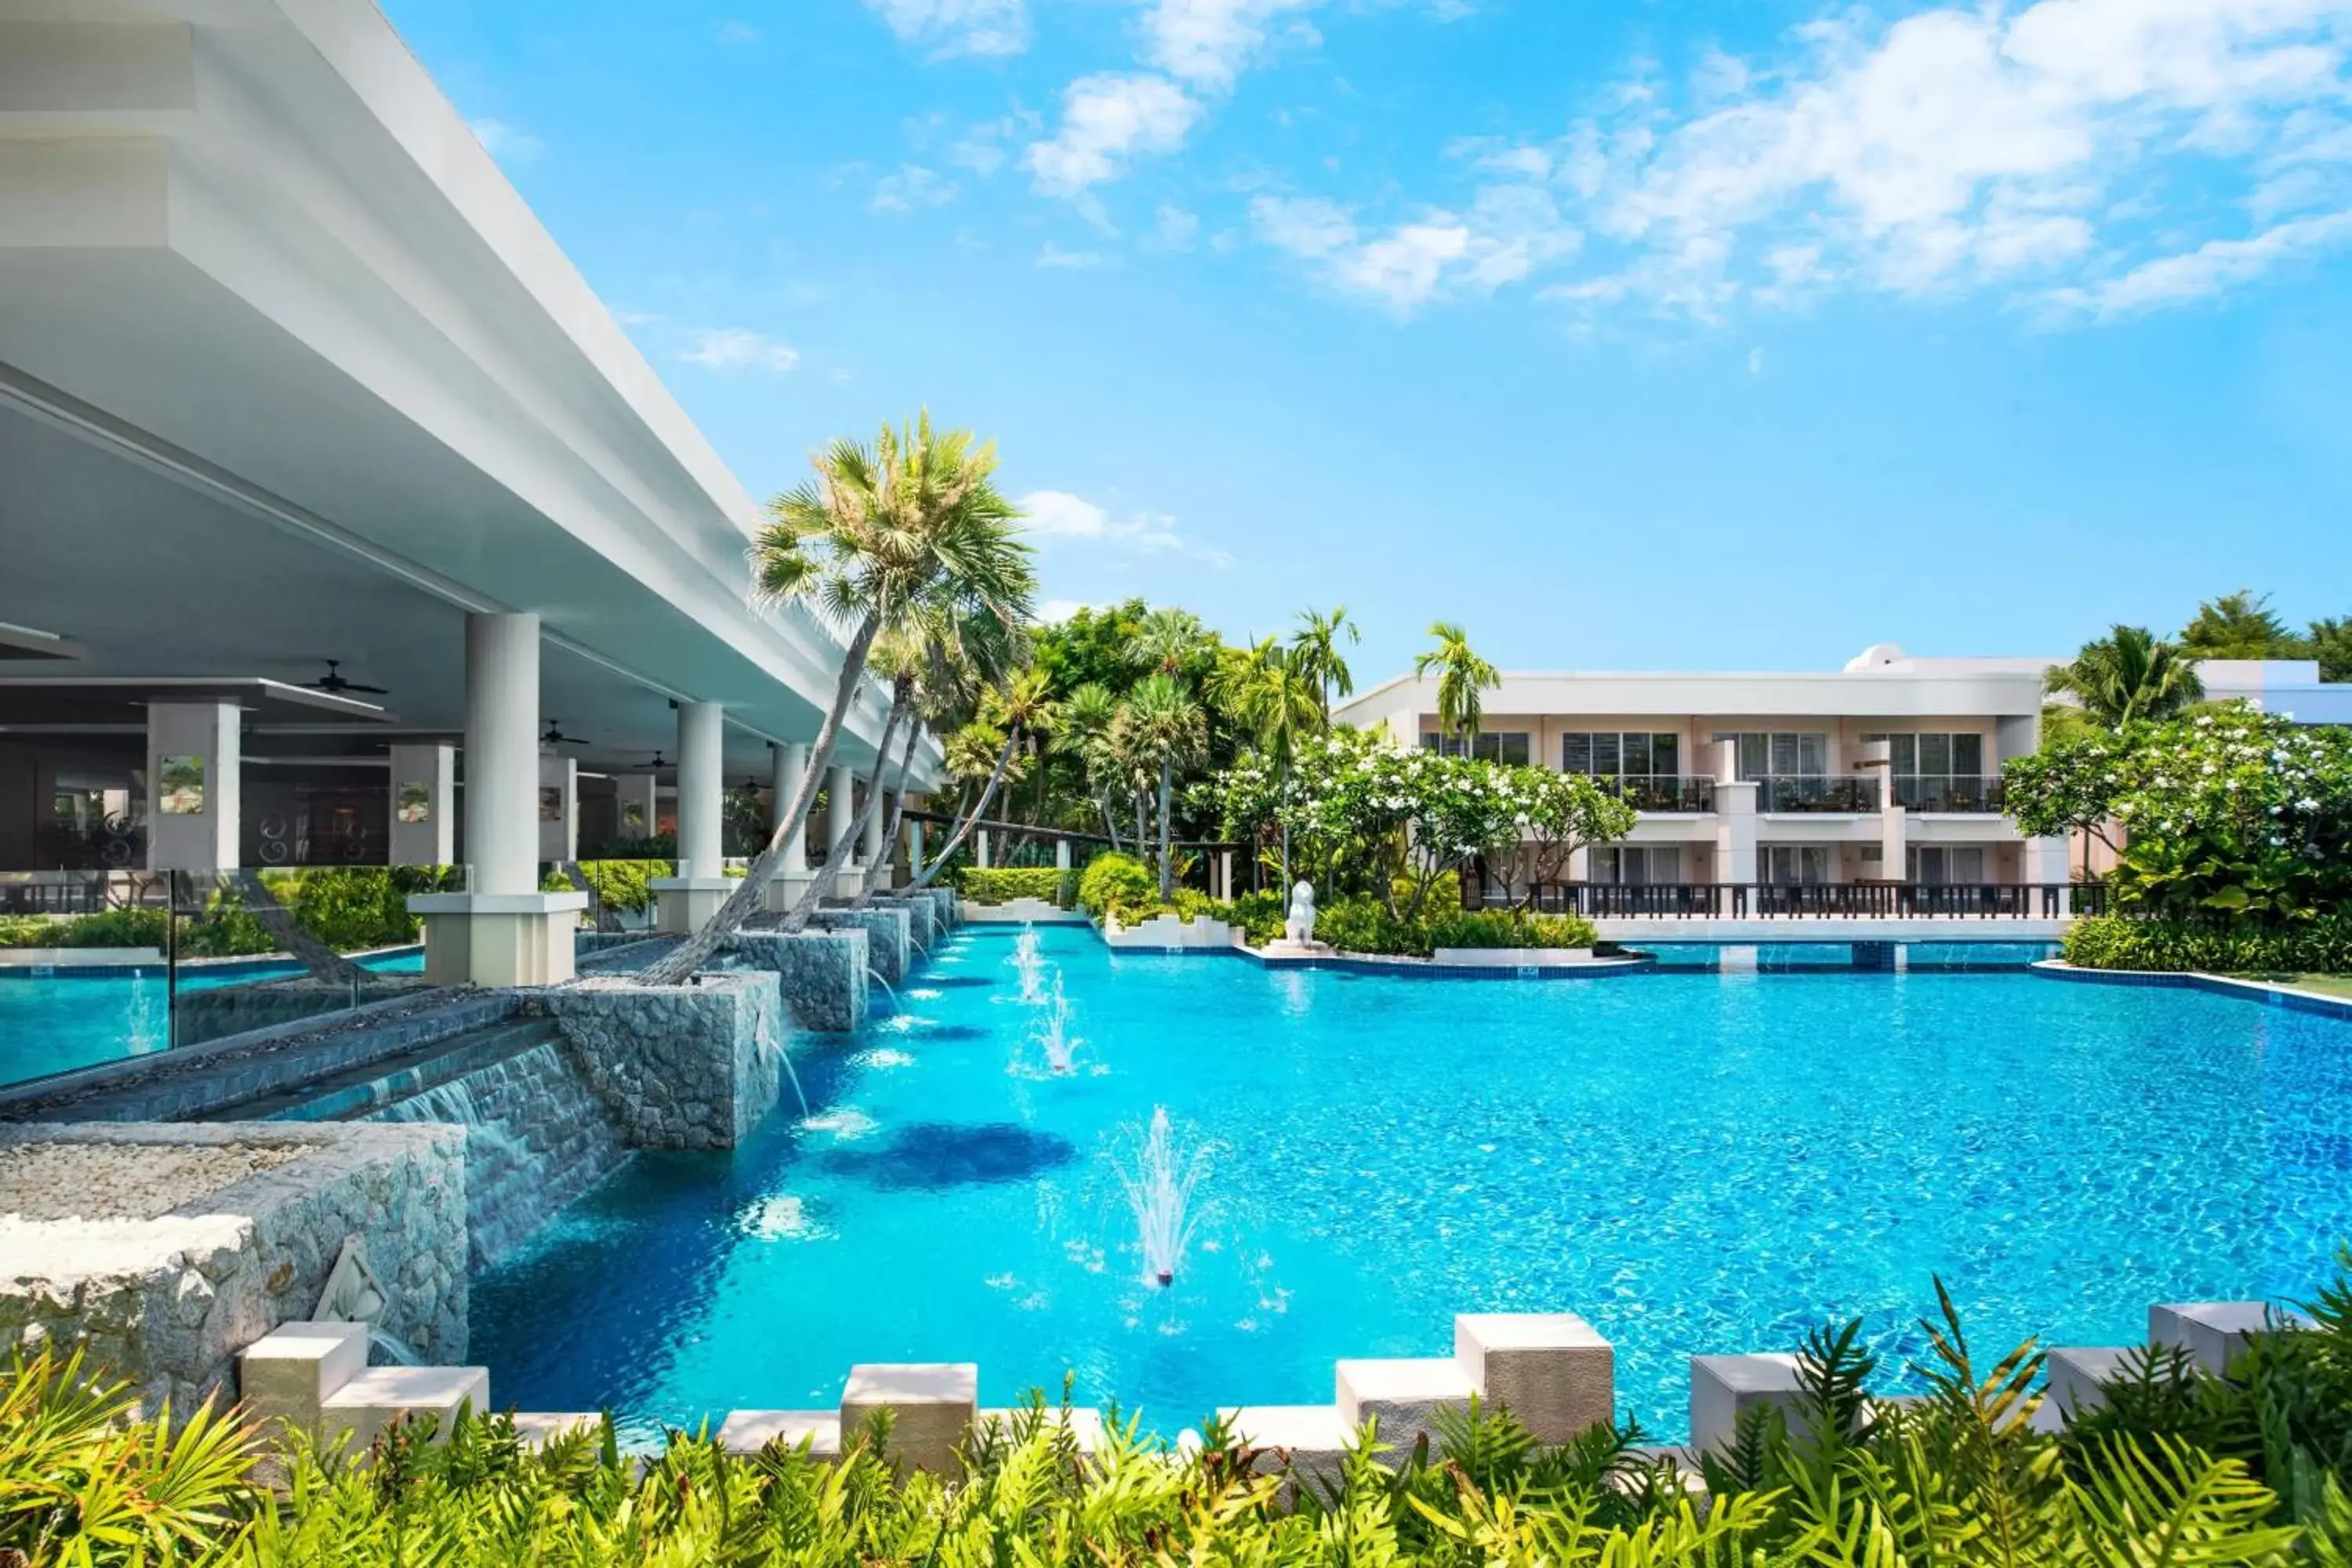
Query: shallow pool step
x=356, y=1092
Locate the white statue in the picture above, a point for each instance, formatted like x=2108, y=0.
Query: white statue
x=1300, y=927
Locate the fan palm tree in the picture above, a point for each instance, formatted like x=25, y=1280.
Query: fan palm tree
x=1089, y=715
x=1266, y=692
x=1315, y=655
x=880, y=536
x=2128, y=675
x=1167, y=639
x=1167, y=729
x=1463, y=680
x=1020, y=707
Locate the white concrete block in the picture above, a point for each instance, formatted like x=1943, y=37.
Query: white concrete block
x=537, y=1428
x=1724, y=1387
x=1402, y=1395
x=1550, y=1370
x=288, y=1374
x=1308, y=1442
x=931, y=1404
x=1085, y=1423
x=748, y=1431
x=372, y=1402
x=2074, y=1373
x=2213, y=1333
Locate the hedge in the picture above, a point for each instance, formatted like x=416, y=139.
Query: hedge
x=1002, y=884
x=1115, y=881
x=2231, y=947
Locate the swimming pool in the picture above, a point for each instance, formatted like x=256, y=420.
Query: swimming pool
x=1696, y=1161
x=56, y=1023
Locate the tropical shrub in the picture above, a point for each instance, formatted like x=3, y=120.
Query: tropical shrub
x=1115, y=881
x=1510, y=928
x=2180, y=1469
x=626, y=885
x=109, y=928
x=2231, y=812
x=1002, y=884
x=352, y=907
x=2318, y=946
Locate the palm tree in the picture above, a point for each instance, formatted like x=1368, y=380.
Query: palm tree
x=1089, y=715
x=1019, y=707
x=1168, y=729
x=1263, y=692
x=1167, y=639
x=878, y=539
x=1316, y=658
x=2126, y=675
x=1462, y=679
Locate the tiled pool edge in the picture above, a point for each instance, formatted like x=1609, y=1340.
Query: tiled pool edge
x=2262, y=993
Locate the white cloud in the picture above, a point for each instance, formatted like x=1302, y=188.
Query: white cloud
x=2213, y=267
x=1057, y=515
x=911, y=186
x=958, y=26
x=738, y=348
x=2105, y=153
x=1108, y=120
x=1174, y=229
x=1756, y=362
x=1208, y=42
x=1054, y=612
x=1054, y=258
x=510, y=146
x=1505, y=234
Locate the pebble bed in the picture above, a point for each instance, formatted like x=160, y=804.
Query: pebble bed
x=45, y=1181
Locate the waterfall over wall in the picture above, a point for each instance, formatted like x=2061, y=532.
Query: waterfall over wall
x=536, y=1138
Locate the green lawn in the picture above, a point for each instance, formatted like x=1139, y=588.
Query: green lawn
x=2330, y=985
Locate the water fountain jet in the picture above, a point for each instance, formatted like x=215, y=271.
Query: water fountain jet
x=1159, y=1189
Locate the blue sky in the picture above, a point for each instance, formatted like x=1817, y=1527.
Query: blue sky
x=1630, y=334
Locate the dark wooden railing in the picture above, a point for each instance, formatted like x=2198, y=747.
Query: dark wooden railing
x=1834, y=900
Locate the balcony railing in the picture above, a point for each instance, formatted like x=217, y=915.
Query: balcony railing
x=1817, y=792
x=1818, y=900
x=1660, y=792
x=1949, y=792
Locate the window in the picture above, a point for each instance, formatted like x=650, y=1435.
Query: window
x=1781, y=753
x=1610, y=754
x=1935, y=754
x=1794, y=863
x=1506, y=746
x=1945, y=865
x=1638, y=865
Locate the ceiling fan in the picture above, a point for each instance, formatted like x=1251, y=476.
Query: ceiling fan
x=333, y=683
x=659, y=762
x=556, y=737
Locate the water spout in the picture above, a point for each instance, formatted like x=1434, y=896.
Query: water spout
x=1029, y=962
x=1160, y=1188
x=1060, y=1045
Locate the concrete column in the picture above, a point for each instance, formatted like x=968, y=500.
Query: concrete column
x=875, y=858
x=503, y=930
x=2048, y=861
x=681, y=903
x=914, y=849
x=793, y=759
x=193, y=762
x=980, y=847
x=636, y=812
x=424, y=805
x=840, y=817
x=558, y=805
x=1734, y=810
x=702, y=790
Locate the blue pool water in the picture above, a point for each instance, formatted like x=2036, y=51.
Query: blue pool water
x=58, y=1022
x=1696, y=1161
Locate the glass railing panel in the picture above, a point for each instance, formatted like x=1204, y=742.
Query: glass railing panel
x=1954, y=793
x=1817, y=792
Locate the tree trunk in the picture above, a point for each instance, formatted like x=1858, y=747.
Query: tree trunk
x=897, y=811
x=1110, y=821
x=979, y=810
x=696, y=950
x=322, y=962
x=1167, y=850
x=837, y=854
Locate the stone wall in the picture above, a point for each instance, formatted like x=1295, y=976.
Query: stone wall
x=922, y=920
x=226, y=1010
x=166, y=1296
x=886, y=926
x=679, y=1067
x=823, y=973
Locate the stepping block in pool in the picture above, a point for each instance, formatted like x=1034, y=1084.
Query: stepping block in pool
x=1309, y=1442
x=1086, y=1425
x=1550, y=1370
x=2213, y=1332
x=538, y=1428
x=286, y=1376
x=370, y=1403
x=2075, y=1373
x=1723, y=1388
x=751, y=1431
x=930, y=1403
x=1402, y=1396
